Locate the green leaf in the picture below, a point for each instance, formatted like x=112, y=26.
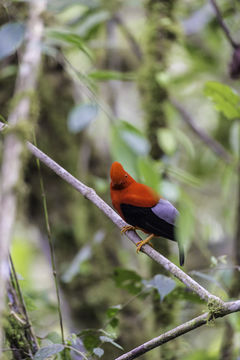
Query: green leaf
x=128, y=280
x=167, y=141
x=105, y=339
x=48, y=351
x=104, y=75
x=133, y=138
x=114, y=322
x=149, y=172
x=226, y=100
x=54, y=337
x=71, y=39
x=74, y=268
x=81, y=116
x=92, y=20
x=98, y=351
x=90, y=339
x=113, y=310
x=163, y=284
x=72, y=339
x=11, y=38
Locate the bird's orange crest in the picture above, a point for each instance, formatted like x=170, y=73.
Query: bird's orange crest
x=120, y=178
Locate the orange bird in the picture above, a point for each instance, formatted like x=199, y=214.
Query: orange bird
x=142, y=208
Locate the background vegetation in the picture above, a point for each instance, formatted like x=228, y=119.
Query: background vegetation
x=153, y=85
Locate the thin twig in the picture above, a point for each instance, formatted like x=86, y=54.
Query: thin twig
x=50, y=242
x=91, y=195
x=33, y=339
x=223, y=25
x=211, y=143
x=10, y=173
x=198, y=321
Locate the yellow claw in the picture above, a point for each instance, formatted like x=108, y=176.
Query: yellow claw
x=139, y=244
x=127, y=228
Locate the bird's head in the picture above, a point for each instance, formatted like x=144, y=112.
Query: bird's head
x=120, y=178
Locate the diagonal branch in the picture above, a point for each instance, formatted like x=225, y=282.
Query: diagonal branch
x=195, y=323
x=211, y=143
x=91, y=195
x=217, y=308
x=223, y=25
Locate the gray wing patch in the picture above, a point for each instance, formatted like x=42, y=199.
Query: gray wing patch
x=166, y=211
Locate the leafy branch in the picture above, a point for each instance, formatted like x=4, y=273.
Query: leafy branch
x=196, y=322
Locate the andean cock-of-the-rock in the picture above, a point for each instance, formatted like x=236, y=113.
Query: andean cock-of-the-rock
x=142, y=208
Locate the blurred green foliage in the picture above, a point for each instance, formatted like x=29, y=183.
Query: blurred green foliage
x=95, y=97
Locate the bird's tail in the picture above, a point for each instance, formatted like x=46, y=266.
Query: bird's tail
x=181, y=253
x=180, y=247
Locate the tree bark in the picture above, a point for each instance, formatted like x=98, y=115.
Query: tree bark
x=19, y=119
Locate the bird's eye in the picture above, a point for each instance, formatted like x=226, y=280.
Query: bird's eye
x=126, y=176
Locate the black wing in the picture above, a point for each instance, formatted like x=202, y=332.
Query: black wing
x=144, y=218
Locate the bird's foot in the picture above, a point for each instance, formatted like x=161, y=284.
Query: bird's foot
x=139, y=244
x=127, y=228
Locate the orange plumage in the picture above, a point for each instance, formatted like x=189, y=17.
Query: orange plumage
x=142, y=207
x=125, y=190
